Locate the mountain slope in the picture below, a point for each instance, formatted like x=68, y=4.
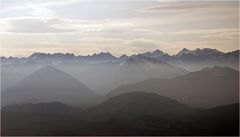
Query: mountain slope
x=46, y=85
x=206, y=88
x=120, y=115
x=150, y=67
x=40, y=119
x=130, y=114
x=221, y=120
x=104, y=77
x=136, y=104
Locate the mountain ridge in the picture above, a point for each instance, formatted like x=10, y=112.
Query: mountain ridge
x=47, y=84
x=205, y=88
x=156, y=52
x=190, y=60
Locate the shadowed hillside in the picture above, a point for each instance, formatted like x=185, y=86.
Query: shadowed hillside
x=135, y=113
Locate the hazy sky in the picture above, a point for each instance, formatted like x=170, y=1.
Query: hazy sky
x=118, y=26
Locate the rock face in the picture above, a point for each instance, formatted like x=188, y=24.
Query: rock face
x=46, y=85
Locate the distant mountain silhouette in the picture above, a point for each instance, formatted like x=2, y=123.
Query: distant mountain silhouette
x=199, y=58
x=150, y=67
x=42, y=56
x=154, y=54
x=45, y=85
x=159, y=55
x=206, y=88
x=123, y=57
x=103, y=56
x=188, y=59
x=198, y=53
x=135, y=59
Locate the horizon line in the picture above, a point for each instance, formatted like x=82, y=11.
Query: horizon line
x=97, y=53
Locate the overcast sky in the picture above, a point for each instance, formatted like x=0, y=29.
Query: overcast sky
x=117, y=26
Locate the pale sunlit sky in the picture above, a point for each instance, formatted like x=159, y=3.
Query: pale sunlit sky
x=127, y=27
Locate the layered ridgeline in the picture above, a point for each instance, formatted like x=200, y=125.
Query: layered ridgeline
x=117, y=71
x=46, y=85
x=102, y=76
x=188, y=59
x=137, y=113
x=208, y=87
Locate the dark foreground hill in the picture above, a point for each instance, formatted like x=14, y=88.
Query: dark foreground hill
x=222, y=120
x=136, y=113
x=130, y=105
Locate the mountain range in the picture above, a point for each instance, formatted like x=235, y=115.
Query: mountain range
x=49, y=101
x=131, y=70
x=137, y=113
x=117, y=71
x=188, y=59
x=195, y=92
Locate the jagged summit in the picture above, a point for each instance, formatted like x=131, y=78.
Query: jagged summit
x=38, y=56
x=183, y=51
x=188, y=59
x=158, y=52
x=123, y=57
x=136, y=59
x=154, y=53
x=103, y=54
x=199, y=52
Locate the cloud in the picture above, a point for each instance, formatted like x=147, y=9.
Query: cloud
x=29, y=25
x=16, y=5
x=40, y=11
x=92, y=25
x=60, y=25
x=191, y=6
x=175, y=8
x=101, y=41
x=211, y=33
